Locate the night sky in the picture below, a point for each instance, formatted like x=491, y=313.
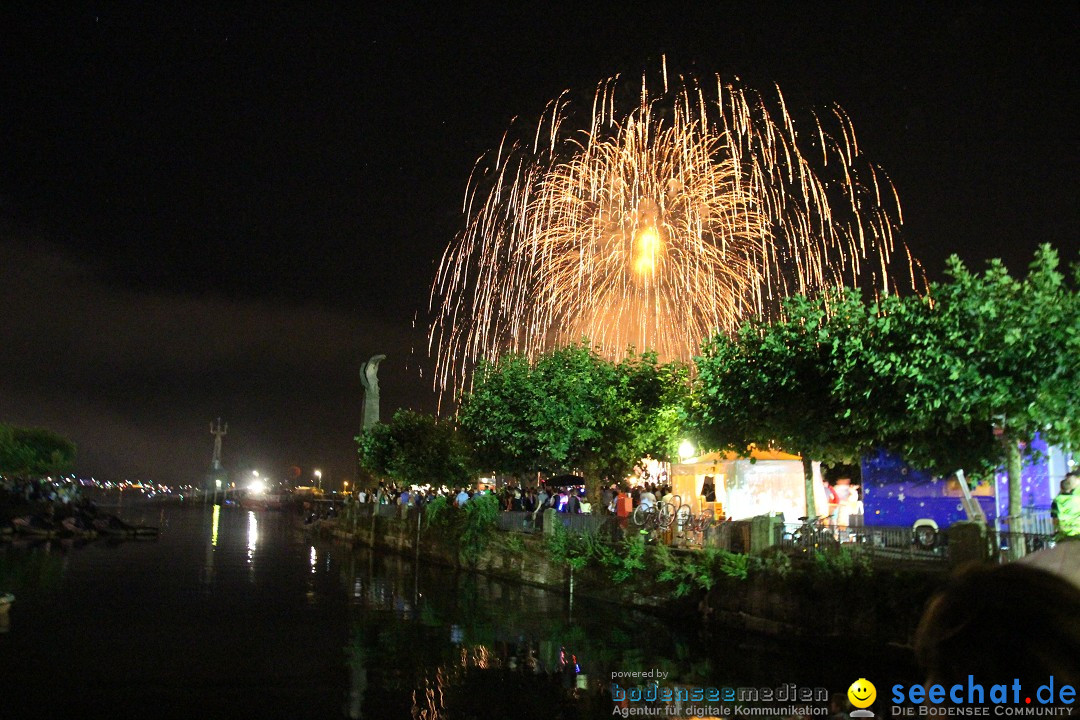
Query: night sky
x=225, y=213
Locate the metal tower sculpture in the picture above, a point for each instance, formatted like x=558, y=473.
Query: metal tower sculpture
x=369, y=377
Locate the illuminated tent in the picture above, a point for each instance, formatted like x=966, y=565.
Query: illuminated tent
x=767, y=482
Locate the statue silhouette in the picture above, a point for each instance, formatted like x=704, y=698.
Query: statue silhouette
x=369, y=377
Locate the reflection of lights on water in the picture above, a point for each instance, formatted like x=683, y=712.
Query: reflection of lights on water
x=434, y=698
x=214, y=528
x=429, y=699
x=314, y=557
x=253, y=535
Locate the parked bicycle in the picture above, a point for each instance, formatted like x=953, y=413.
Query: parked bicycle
x=654, y=516
x=663, y=515
x=695, y=523
x=813, y=532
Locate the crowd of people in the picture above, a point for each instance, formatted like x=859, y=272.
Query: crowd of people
x=515, y=497
x=512, y=497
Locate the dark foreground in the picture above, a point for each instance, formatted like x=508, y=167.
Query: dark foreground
x=247, y=617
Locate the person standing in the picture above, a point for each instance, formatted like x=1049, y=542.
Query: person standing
x=1065, y=509
x=572, y=503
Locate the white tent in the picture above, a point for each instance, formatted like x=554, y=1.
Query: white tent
x=766, y=482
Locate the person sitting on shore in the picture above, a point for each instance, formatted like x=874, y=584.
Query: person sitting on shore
x=997, y=623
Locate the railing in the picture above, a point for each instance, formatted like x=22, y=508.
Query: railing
x=527, y=522
x=518, y=521
x=883, y=542
x=1032, y=521
x=1005, y=545
x=905, y=543
x=581, y=524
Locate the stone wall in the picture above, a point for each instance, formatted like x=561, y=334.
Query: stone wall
x=885, y=610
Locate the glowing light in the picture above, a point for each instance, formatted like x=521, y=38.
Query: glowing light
x=663, y=214
x=687, y=450
x=258, y=487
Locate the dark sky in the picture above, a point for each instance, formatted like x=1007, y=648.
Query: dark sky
x=223, y=213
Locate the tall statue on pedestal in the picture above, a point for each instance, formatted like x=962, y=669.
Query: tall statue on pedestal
x=369, y=376
x=218, y=477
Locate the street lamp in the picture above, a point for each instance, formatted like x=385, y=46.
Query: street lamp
x=257, y=485
x=318, y=478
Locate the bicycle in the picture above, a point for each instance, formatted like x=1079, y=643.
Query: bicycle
x=658, y=516
x=696, y=523
x=811, y=533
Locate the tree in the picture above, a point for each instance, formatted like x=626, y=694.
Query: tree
x=30, y=453
x=416, y=449
x=573, y=410
x=771, y=384
x=982, y=364
x=961, y=378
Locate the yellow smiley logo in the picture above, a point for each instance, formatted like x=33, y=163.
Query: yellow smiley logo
x=862, y=693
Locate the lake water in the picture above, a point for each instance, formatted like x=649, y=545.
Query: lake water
x=238, y=614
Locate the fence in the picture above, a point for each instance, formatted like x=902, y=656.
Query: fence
x=527, y=522
x=878, y=542
x=518, y=521
x=904, y=543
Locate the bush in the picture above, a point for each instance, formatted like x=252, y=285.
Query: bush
x=700, y=570
x=481, y=519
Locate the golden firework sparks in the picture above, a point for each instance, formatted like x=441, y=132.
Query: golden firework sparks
x=653, y=227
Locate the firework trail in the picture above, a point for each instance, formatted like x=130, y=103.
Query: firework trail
x=656, y=225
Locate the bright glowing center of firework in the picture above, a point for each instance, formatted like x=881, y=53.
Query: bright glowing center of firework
x=646, y=248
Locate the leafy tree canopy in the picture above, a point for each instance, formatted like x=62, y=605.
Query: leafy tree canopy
x=958, y=378
x=573, y=410
x=30, y=453
x=416, y=449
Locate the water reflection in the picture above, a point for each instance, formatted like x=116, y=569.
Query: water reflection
x=207, y=575
x=430, y=644
x=420, y=641
x=215, y=523
x=209, y=620
x=444, y=653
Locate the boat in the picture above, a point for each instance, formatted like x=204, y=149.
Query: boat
x=78, y=527
x=115, y=527
x=262, y=501
x=34, y=525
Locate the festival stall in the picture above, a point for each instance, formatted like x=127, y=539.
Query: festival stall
x=736, y=487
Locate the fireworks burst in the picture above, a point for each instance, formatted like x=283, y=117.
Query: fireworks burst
x=653, y=227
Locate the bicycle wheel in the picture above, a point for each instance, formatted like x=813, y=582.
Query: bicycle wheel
x=641, y=515
x=665, y=515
